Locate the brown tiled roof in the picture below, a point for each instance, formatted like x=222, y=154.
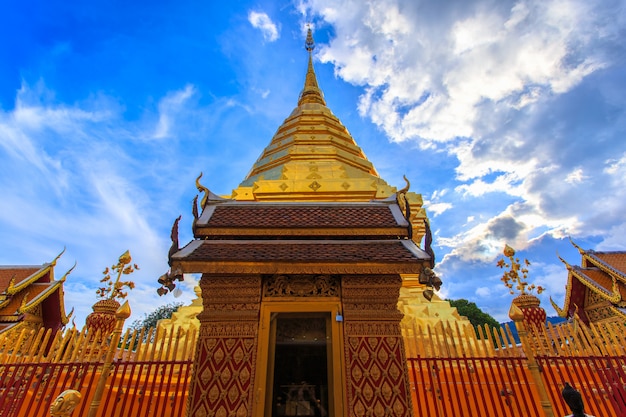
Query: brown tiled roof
x=602, y=279
x=615, y=259
x=19, y=272
x=302, y=251
x=303, y=216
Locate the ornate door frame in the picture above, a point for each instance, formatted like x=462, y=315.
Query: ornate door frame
x=336, y=366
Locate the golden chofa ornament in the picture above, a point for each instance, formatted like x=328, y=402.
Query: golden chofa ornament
x=515, y=278
x=102, y=320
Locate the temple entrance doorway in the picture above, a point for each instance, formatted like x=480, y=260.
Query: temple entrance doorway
x=300, y=353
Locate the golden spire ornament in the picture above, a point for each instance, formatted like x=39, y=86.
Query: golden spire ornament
x=311, y=92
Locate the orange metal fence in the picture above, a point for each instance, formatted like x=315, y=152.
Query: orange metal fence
x=147, y=379
x=456, y=371
x=472, y=387
x=453, y=371
x=601, y=380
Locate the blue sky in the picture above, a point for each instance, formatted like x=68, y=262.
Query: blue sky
x=508, y=117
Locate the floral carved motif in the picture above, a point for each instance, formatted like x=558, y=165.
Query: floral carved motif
x=301, y=286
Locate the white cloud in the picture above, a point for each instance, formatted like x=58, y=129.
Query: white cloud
x=576, y=176
x=483, y=292
x=507, y=89
x=436, y=209
x=88, y=180
x=169, y=107
x=263, y=22
x=427, y=77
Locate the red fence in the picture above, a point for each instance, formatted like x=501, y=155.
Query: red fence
x=601, y=380
x=472, y=387
x=453, y=372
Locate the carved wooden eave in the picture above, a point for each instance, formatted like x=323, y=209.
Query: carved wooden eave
x=13, y=326
x=31, y=304
x=619, y=311
x=335, y=257
x=4, y=301
x=613, y=295
x=594, y=258
x=16, y=287
x=12, y=318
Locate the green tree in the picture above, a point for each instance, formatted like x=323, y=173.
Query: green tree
x=151, y=319
x=475, y=315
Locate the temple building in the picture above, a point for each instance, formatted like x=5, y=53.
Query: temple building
x=308, y=269
x=595, y=290
x=31, y=298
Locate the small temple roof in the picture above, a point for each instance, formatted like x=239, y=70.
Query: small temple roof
x=602, y=274
x=25, y=287
x=372, y=219
x=13, y=278
x=312, y=202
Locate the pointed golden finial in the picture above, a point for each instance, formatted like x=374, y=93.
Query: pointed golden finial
x=204, y=190
x=54, y=261
x=123, y=312
x=515, y=313
x=309, y=44
x=64, y=277
x=311, y=92
x=559, y=311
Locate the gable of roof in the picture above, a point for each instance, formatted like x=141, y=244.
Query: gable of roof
x=12, y=276
x=612, y=263
x=602, y=273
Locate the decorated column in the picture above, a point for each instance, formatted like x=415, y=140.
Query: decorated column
x=376, y=372
x=225, y=359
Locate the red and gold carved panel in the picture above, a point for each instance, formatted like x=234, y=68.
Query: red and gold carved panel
x=377, y=382
x=225, y=361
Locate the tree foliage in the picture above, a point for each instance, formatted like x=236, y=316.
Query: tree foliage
x=475, y=315
x=151, y=319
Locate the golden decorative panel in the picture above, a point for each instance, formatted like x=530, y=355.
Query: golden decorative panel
x=301, y=286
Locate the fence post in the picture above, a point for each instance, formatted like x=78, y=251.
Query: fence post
x=121, y=315
x=516, y=314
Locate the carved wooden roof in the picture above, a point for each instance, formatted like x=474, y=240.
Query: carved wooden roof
x=23, y=288
x=298, y=256
x=16, y=274
x=240, y=219
x=602, y=274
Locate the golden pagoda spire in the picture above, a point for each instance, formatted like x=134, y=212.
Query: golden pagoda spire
x=311, y=92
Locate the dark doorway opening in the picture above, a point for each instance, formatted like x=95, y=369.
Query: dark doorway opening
x=300, y=374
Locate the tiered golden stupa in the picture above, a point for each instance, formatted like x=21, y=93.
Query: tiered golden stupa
x=313, y=158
